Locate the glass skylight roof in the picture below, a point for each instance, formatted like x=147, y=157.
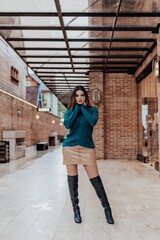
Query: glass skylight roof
x=93, y=31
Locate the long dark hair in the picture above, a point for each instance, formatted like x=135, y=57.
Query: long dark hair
x=72, y=101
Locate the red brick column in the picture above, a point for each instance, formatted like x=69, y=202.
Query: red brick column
x=120, y=116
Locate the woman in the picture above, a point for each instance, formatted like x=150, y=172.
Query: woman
x=78, y=148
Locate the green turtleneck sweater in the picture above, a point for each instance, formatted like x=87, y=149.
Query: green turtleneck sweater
x=80, y=121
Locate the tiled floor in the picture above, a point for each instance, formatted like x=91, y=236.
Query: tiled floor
x=35, y=205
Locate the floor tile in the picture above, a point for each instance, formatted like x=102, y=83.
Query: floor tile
x=35, y=202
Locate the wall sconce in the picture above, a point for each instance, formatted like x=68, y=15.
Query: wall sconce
x=96, y=97
x=156, y=67
x=53, y=121
x=37, y=116
x=18, y=112
x=61, y=124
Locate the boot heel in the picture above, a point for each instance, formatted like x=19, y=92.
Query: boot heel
x=108, y=215
x=77, y=215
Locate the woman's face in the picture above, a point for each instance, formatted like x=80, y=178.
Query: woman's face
x=80, y=97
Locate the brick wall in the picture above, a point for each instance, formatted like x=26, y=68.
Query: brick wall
x=116, y=134
x=120, y=116
x=36, y=129
x=152, y=106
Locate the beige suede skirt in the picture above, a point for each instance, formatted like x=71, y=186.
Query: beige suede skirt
x=78, y=155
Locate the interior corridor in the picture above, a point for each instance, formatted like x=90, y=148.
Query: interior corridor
x=35, y=203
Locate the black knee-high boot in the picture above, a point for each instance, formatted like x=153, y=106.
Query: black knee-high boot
x=98, y=186
x=73, y=189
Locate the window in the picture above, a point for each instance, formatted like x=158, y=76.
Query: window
x=14, y=75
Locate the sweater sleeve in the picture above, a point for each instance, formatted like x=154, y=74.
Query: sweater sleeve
x=90, y=118
x=70, y=116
